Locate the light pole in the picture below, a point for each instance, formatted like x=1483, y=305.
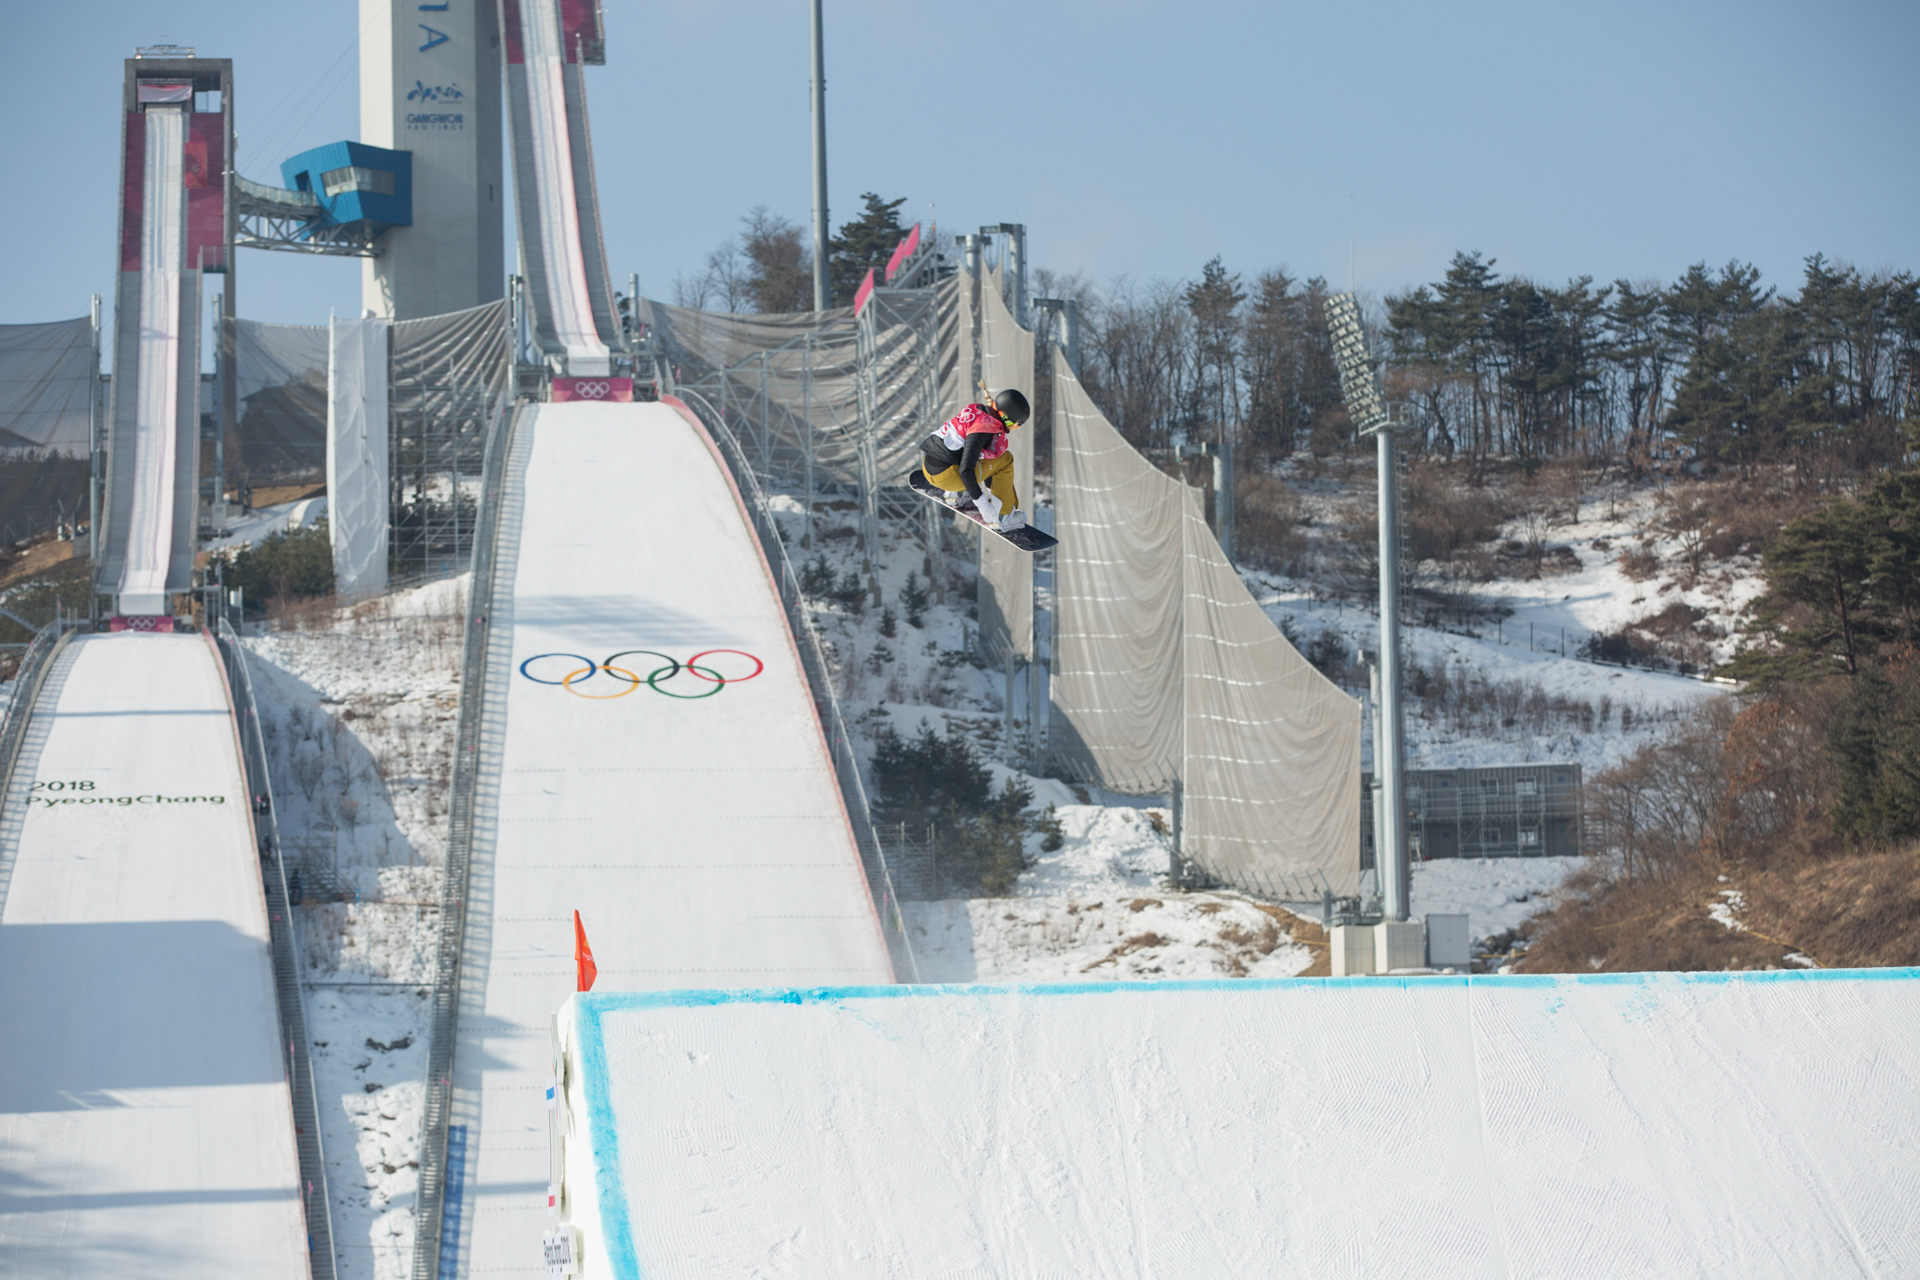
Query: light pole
x=1362, y=393
x=821, y=298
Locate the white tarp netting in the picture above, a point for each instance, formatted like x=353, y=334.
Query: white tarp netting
x=789, y=386
x=281, y=386
x=45, y=399
x=357, y=494
x=1165, y=666
x=1006, y=573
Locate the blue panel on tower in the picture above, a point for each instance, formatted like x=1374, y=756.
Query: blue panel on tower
x=356, y=182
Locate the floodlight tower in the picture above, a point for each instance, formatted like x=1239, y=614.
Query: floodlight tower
x=1362, y=393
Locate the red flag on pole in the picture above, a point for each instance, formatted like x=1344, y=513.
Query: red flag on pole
x=585, y=971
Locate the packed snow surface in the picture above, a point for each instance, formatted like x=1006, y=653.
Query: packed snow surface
x=145, y=1125
x=1753, y=1125
x=652, y=761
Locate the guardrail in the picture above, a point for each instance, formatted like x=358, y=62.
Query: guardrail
x=27, y=682
x=846, y=761
x=431, y=1198
x=316, y=1202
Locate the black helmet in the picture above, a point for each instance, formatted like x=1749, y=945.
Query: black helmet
x=1012, y=406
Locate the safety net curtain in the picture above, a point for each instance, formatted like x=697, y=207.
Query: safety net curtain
x=281, y=386
x=45, y=400
x=1165, y=667
x=1006, y=574
x=787, y=384
x=1116, y=583
x=1271, y=762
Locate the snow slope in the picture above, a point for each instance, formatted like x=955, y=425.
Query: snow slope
x=690, y=815
x=145, y=1124
x=1753, y=1125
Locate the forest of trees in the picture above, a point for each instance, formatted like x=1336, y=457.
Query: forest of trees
x=1714, y=366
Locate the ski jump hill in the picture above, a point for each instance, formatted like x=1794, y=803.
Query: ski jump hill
x=145, y=1121
x=655, y=763
x=1752, y=1125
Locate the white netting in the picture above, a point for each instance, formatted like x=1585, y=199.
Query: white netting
x=1006, y=574
x=281, y=386
x=44, y=393
x=1166, y=667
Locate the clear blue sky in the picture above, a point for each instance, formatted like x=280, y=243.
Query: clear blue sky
x=1621, y=139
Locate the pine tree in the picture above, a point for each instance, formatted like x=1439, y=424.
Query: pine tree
x=866, y=242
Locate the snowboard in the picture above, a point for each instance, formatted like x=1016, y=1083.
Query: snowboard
x=1027, y=539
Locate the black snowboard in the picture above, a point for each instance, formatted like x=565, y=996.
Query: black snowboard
x=1027, y=539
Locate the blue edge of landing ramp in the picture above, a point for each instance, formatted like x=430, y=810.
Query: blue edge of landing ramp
x=622, y=1258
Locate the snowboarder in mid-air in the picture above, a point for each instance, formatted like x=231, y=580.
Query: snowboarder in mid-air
x=969, y=460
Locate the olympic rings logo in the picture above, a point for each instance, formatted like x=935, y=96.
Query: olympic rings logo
x=626, y=680
x=593, y=390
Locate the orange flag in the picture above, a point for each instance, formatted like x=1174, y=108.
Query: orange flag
x=585, y=971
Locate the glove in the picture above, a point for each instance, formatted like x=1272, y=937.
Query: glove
x=988, y=506
x=1014, y=519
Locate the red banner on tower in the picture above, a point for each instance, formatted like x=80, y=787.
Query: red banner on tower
x=902, y=252
x=866, y=291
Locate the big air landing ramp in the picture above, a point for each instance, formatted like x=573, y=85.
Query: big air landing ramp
x=1752, y=1125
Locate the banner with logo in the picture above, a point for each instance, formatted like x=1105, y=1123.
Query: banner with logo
x=610, y=390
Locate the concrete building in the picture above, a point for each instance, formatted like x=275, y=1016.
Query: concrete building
x=430, y=85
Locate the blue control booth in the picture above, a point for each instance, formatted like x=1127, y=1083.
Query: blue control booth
x=355, y=183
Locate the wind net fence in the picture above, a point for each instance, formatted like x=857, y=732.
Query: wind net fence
x=791, y=387
x=1006, y=573
x=447, y=382
x=447, y=378
x=1167, y=672
x=280, y=382
x=46, y=393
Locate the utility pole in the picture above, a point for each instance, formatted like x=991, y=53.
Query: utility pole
x=821, y=294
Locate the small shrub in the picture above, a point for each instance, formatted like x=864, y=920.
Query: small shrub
x=1639, y=563
x=914, y=598
x=816, y=578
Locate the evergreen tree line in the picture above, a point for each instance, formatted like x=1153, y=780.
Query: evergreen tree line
x=1715, y=366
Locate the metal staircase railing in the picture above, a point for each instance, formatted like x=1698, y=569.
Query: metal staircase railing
x=315, y=1201
x=430, y=1201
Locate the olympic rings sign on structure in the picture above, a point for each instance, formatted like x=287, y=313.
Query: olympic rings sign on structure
x=596, y=390
x=626, y=680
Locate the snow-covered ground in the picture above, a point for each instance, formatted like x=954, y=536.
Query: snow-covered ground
x=360, y=708
x=358, y=712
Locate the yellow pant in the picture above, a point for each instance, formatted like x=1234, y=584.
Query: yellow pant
x=994, y=475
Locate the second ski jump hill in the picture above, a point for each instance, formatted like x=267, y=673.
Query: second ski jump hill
x=145, y=1123
x=654, y=762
